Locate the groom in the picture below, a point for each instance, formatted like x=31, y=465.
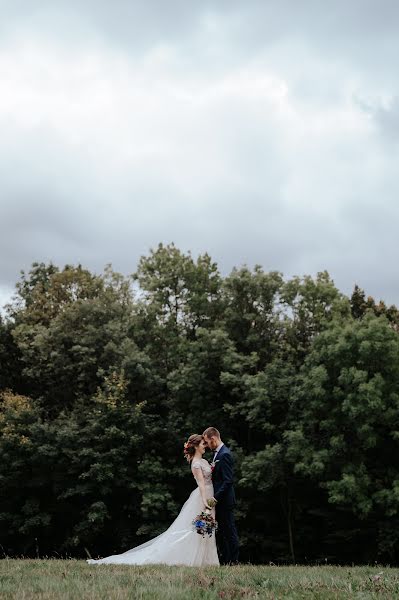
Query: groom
x=222, y=479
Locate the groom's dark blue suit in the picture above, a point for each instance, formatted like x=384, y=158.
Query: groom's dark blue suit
x=222, y=479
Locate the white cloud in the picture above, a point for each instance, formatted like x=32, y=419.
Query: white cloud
x=276, y=153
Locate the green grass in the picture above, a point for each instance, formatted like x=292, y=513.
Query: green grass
x=74, y=579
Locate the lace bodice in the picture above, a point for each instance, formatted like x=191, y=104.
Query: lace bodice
x=205, y=468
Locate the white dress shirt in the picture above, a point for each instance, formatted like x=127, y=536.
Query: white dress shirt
x=217, y=450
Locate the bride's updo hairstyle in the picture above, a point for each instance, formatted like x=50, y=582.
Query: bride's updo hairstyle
x=191, y=445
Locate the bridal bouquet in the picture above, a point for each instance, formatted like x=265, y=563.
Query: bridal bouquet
x=205, y=524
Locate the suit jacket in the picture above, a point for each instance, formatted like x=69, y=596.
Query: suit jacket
x=222, y=479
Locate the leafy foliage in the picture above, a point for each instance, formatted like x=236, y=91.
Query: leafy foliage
x=102, y=377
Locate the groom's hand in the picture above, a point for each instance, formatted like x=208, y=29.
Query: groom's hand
x=212, y=502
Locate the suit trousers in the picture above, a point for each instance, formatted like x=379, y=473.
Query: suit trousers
x=226, y=536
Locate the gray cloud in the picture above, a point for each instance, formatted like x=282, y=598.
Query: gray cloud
x=387, y=118
x=260, y=132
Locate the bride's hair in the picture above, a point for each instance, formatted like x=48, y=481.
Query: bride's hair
x=190, y=446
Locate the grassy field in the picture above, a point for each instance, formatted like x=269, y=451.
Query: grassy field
x=73, y=579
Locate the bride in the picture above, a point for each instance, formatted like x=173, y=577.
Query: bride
x=180, y=544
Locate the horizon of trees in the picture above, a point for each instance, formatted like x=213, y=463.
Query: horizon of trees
x=103, y=377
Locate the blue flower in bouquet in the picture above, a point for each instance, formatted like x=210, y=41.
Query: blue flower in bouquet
x=200, y=523
x=205, y=524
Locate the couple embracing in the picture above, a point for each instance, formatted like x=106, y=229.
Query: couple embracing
x=214, y=495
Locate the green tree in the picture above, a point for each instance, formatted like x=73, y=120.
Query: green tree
x=360, y=306
x=309, y=305
x=262, y=389
x=10, y=366
x=252, y=314
x=182, y=292
x=21, y=513
x=358, y=302
x=74, y=331
x=347, y=418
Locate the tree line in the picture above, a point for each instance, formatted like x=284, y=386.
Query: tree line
x=103, y=377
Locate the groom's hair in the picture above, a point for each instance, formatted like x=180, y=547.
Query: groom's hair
x=211, y=432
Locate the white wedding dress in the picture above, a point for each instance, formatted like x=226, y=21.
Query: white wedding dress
x=180, y=544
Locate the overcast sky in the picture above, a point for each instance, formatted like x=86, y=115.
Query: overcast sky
x=259, y=131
